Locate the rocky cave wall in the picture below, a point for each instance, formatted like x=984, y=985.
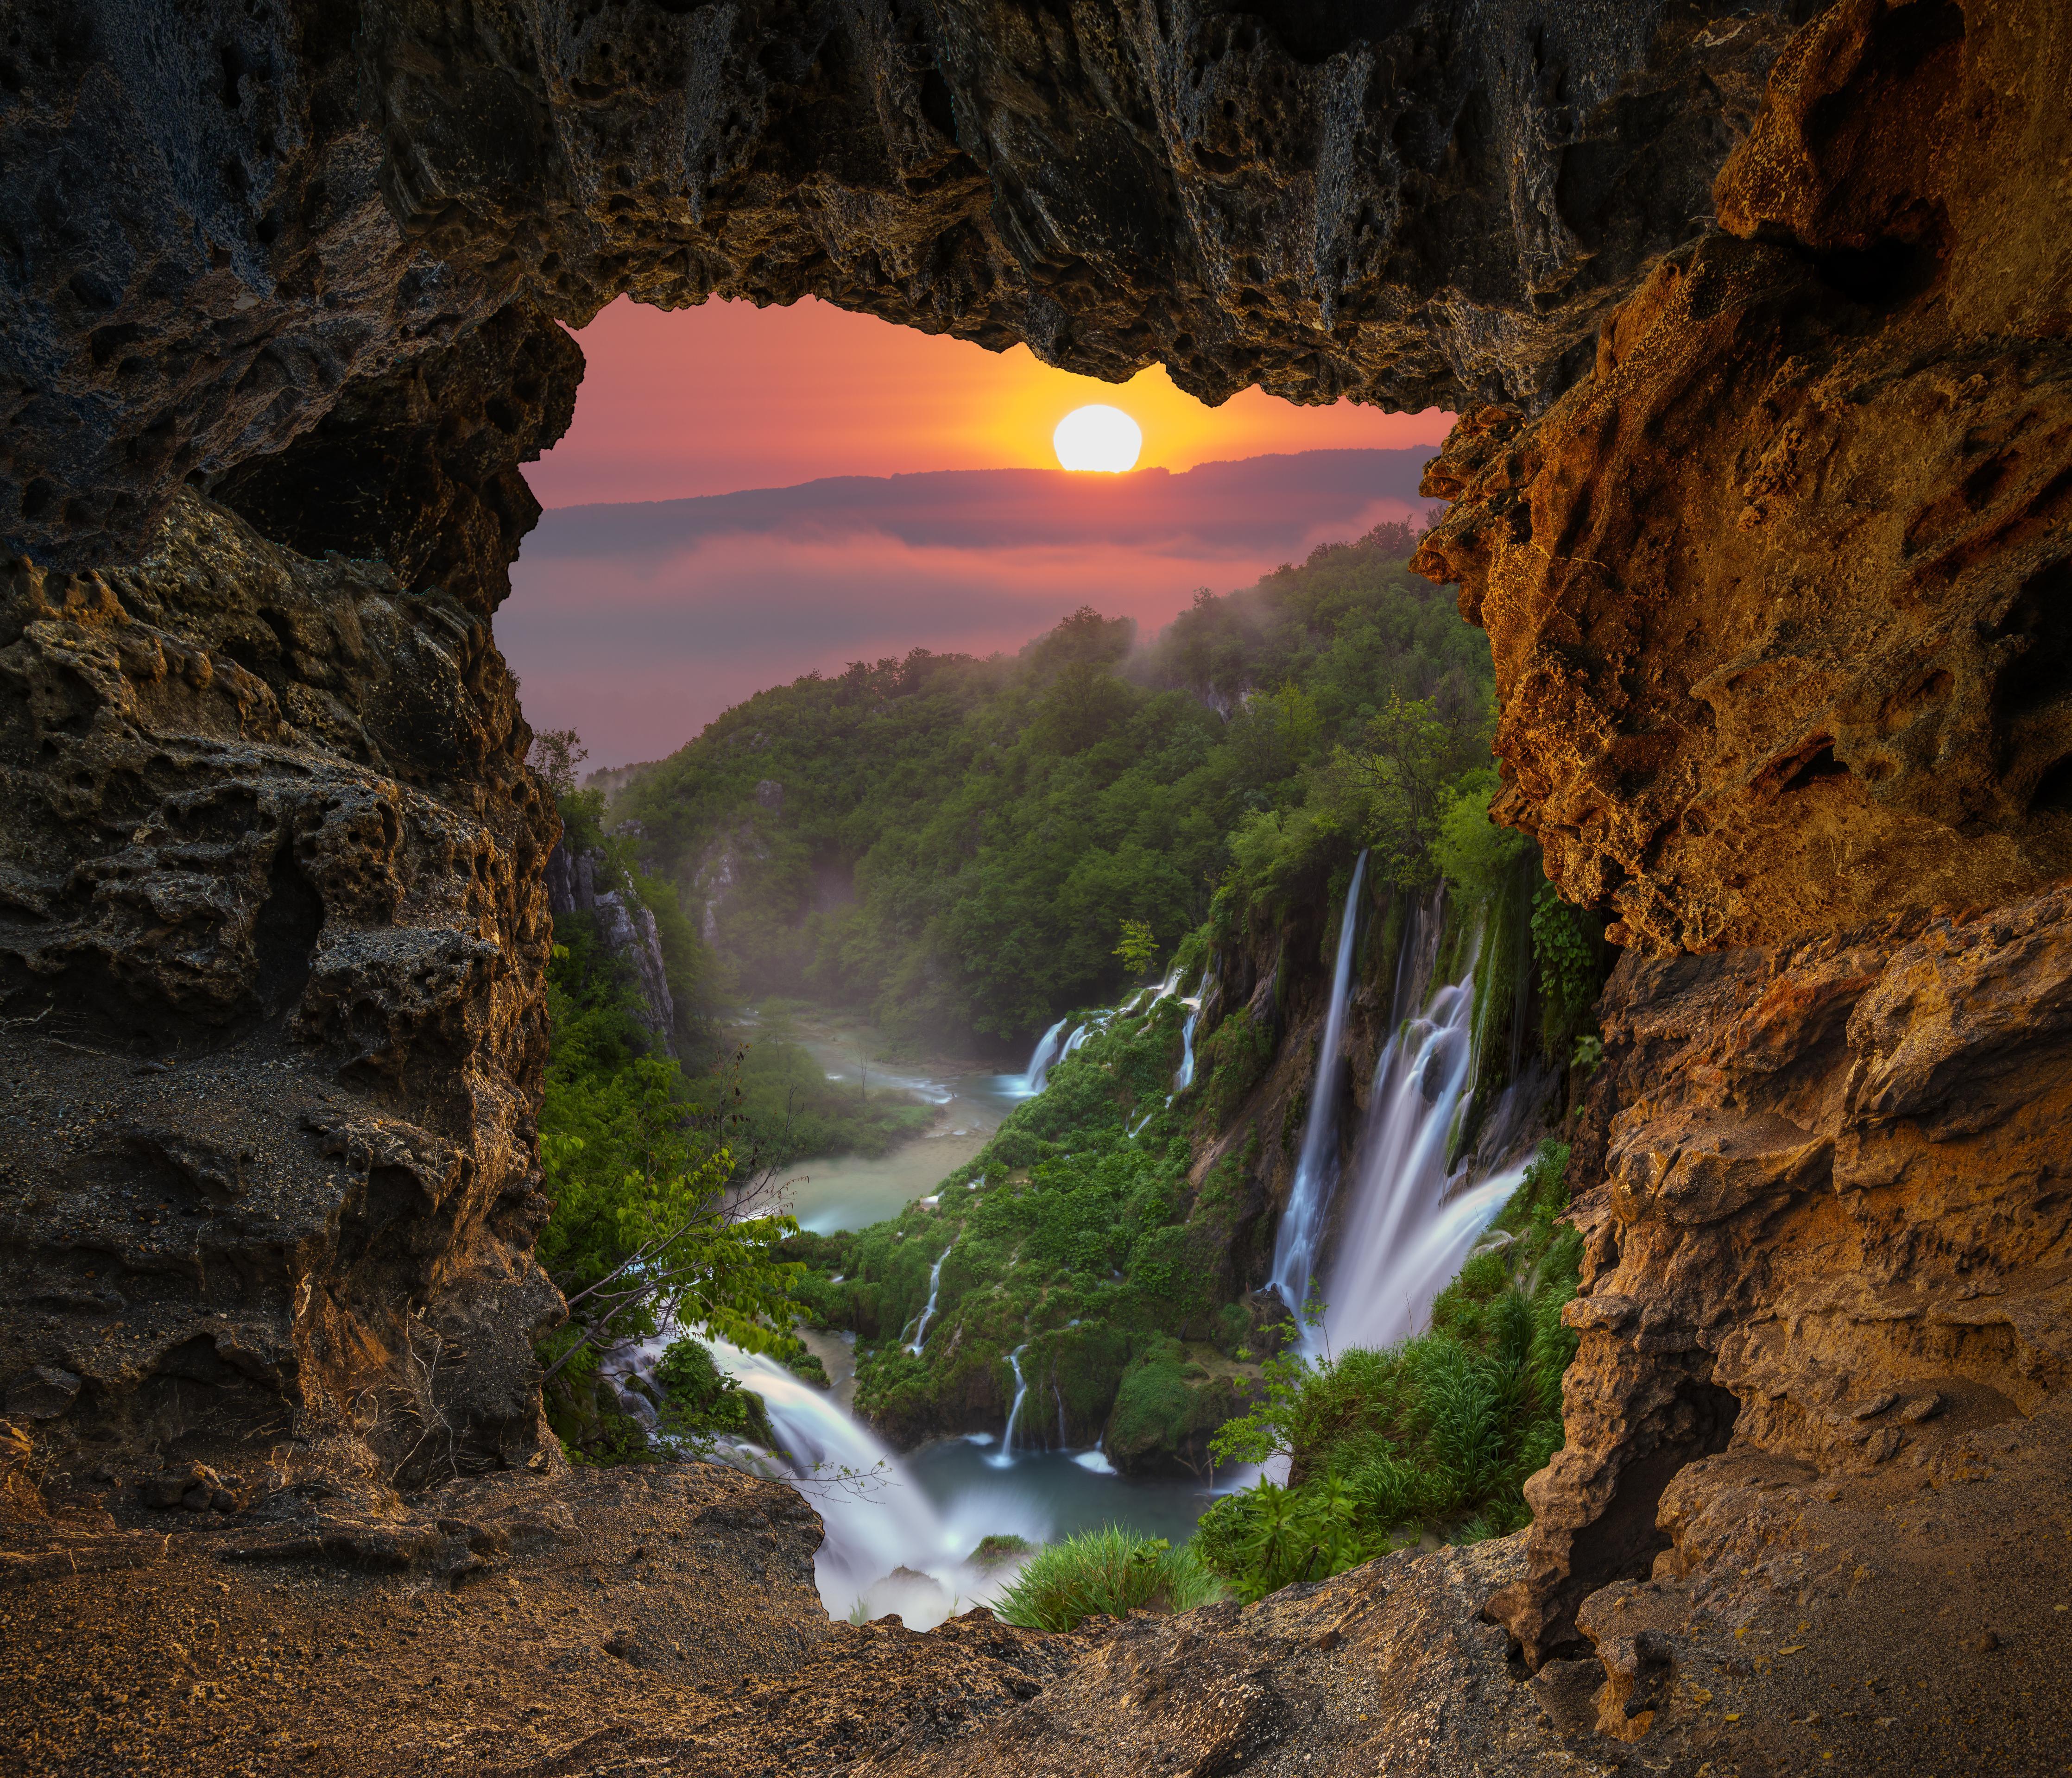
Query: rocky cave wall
x=1781, y=599
x=1764, y=495
x=279, y=312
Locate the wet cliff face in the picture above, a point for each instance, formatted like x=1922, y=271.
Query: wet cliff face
x=1781, y=599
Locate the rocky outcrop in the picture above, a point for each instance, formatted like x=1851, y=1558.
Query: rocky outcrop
x=624, y=927
x=271, y=933
x=1777, y=597
x=1427, y=206
x=1837, y=1226
x=1780, y=593
x=663, y=1617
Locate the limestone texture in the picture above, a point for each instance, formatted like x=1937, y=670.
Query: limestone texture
x=1778, y=592
x=223, y=221
x=271, y=936
x=608, y=1623
x=1834, y=1227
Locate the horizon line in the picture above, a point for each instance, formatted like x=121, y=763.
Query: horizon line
x=1102, y=476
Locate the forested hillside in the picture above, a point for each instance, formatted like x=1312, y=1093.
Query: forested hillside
x=955, y=845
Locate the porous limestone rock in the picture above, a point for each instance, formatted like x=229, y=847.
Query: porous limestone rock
x=1837, y=1206
x=221, y=220
x=1780, y=594
x=1777, y=586
x=271, y=936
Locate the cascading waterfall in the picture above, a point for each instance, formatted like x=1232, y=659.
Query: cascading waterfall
x=1309, y=1198
x=1183, y=1077
x=1004, y=1458
x=877, y=1518
x=1034, y=1078
x=928, y=1313
x=1409, y=1220
x=888, y=1546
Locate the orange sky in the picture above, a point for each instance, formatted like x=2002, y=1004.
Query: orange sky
x=726, y=397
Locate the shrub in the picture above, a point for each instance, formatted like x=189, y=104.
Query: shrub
x=1105, y=1572
x=701, y=1402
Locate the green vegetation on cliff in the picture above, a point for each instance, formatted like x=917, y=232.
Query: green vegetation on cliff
x=1436, y=1435
x=642, y=1175
x=1074, y=1239
x=954, y=844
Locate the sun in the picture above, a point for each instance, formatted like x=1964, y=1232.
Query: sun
x=1098, y=437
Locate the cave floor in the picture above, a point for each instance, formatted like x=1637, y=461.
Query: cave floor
x=662, y=1619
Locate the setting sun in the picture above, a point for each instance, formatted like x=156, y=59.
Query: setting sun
x=1098, y=437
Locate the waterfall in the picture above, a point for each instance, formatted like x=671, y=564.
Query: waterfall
x=1309, y=1199
x=928, y=1314
x=877, y=1517
x=1031, y=1081
x=1004, y=1458
x=1408, y=1219
x=1184, y=1076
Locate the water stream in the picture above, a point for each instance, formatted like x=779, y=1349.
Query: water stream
x=1411, y=1214
x=902, y=1531
x=1004, y=1459
x=850, y=1191
x=1301, y=1230
x=928, y=1312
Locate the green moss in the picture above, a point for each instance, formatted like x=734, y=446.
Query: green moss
x=1173, y=1399
x=1233, y=1060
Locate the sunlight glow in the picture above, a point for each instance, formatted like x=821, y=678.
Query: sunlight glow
x=1098, y=437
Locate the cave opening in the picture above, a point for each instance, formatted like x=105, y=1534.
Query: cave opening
x=284, y=934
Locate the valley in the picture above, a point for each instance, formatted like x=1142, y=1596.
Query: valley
x=1545, y=1215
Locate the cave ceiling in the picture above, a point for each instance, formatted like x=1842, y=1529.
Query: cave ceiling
x=219, y=220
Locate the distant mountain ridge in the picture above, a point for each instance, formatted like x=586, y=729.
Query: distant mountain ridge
x=1252, y=502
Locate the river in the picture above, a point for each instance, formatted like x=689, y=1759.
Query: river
x=848, y=1191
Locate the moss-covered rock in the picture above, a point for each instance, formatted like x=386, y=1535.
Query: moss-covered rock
x=700, y=1402
x=1173, y=1399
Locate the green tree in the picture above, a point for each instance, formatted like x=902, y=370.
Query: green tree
x=1139, y=947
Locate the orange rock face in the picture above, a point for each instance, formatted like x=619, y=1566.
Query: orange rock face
x=1781, y=603
x=1780, y=597
x=1835, y=1221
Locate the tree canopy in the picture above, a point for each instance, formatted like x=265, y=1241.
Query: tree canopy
x=953, y=844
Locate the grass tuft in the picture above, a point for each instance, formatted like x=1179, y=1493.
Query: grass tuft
x=1106, y=1573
